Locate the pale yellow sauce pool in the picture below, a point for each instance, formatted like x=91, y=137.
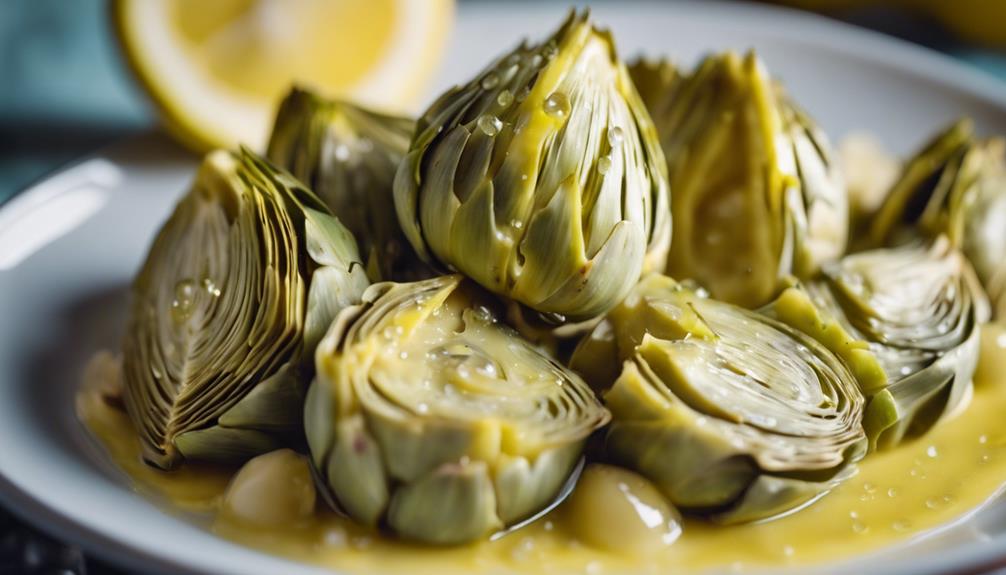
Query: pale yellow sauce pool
x=896, y=495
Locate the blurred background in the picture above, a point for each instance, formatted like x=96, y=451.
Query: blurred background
x=66, y=90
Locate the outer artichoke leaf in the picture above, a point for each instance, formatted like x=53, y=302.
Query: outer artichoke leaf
x=226, y=444
x=523, y=486
x=357, y=472
x=274, y=404
x=453, y=504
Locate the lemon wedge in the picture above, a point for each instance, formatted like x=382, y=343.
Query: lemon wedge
x=217, y=70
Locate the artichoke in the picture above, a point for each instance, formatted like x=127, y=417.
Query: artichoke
x=239, y=286
x=541, y=179
x=430, y=416
x=348, y=156
x=730, y=413
x=757, y=195
x=956, y=185
x=657, y=82
x=908, y=322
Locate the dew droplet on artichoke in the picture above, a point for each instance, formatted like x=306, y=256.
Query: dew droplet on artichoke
x=756, y=193
x=237, y=289
x=729, y=412
x=542, y=178
x=348, y=155
x=956, y=185
x=430, y=416
x=908, y=320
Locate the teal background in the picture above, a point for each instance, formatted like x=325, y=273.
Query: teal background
x=65, y=91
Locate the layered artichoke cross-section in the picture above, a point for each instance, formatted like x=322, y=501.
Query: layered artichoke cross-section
x=730, y=413
x=432, y=416
x=239, y=286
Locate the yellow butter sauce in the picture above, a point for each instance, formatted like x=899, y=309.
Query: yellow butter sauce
x=897, y=495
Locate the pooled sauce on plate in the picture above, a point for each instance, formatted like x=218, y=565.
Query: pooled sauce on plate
x=897, y=495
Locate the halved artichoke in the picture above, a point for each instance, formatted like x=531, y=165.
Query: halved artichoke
x=908, y=321
x=238, y=288
x=432, y=417
x=757, y=195
x=542, y=178
x=956, y=185
x=348, y=155
x=730, y=413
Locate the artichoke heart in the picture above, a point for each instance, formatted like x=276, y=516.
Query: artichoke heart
x=956, y=186
x=542, y=179
x=908, y=319
x=348, y=155
x=730, y=413
x=757, y=194
x=430, y=416
x=237, y=289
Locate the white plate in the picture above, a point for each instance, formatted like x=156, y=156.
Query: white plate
x=69, y=246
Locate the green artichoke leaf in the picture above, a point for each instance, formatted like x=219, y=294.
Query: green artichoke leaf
x=757, y=194
x=226, y=311
x=542, y=178
x=955, y=186
x=731, y=413
x=433, y=417
x=917, y=310
x=348, y=155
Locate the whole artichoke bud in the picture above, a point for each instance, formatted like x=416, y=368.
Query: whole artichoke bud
x=955, y=185
x=237, y=289
x=730, y=413
x=908, y=322
x=542, y=178
x=430, y=416
x=348, y=155
x=757, y=195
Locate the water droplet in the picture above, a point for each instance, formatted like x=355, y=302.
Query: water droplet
x=615, y=137
x=490, y=81
x=388, y=333
x=422, y=408
x=983, y=439
x=516, y=224
x=931, y=451
x=892, y=492
x=523, y=94
x=523, y=177
x=403, y=355
x=869, y=487
x=181, y=306
x=489, y=124
x=557, y=105
x=859, y=528
x=342, y=152
x=854, y=514
x=984, y=459
x=210, y=287
x=483, y=314
x=500, y=236
x=463, y=372
x=905, y=370
x=155, y=372
x=505, y=98
x=932, y=503
x=535, y=60
x=548, y=526
x=603, y=165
